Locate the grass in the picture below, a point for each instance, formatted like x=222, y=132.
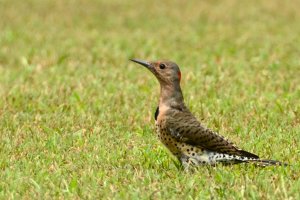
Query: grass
x=76, y=117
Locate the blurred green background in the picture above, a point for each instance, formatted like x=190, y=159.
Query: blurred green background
x=76, y=117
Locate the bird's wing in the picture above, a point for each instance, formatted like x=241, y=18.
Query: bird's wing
x=186, y=128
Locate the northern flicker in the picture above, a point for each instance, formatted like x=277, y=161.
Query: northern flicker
x=182, y=133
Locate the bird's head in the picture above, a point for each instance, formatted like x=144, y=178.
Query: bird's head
x=167, y=72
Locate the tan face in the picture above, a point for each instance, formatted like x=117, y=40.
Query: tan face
x=165, y=71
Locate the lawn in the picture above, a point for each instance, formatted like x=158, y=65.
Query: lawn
x=76, y=116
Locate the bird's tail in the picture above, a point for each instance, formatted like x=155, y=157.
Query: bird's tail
x=265, y=163
x=227, y=159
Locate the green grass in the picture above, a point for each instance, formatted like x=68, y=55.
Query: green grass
x=76, y=117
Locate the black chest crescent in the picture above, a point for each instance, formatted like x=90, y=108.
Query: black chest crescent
x=156, y=113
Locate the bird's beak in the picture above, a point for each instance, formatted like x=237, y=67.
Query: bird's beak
x=141, y=62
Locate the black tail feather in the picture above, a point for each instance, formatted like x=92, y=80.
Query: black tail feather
x=265, y=163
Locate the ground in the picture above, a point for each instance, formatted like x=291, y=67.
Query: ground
x=76, y=116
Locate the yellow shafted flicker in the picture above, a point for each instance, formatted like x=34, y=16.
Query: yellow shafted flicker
x=182, y=133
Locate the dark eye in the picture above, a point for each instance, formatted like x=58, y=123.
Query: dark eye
x=162, y=66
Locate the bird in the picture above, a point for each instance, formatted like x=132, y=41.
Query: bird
x=182, y=134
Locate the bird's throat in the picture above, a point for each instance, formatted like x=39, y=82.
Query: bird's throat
x=171, y=96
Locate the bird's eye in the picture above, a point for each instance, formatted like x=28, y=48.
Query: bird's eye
x=162, y=66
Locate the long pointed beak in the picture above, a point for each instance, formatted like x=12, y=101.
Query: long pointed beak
x=141, y=62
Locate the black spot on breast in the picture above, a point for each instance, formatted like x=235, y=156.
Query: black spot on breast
x=156, y=113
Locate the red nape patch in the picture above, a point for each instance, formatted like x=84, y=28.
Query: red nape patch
x=179, y=75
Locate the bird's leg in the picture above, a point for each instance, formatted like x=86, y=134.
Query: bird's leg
x=187, y=163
